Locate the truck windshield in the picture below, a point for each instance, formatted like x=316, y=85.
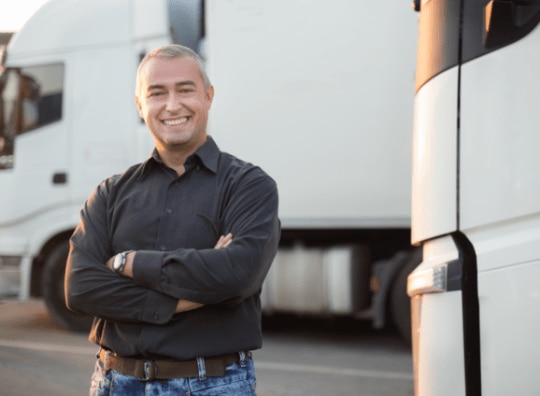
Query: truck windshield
x=29, y=98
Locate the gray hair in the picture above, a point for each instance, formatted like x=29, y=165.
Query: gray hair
x=171, y=51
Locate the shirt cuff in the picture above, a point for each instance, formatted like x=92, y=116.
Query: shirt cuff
x=147, y=268
x=158, y=308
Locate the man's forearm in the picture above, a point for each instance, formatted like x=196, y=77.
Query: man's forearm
x=182, y=305
x=223, y=242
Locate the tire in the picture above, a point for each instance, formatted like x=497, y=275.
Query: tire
x=53, y=291
x=400, y=303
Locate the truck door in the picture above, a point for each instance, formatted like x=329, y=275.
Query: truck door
x=33, y=145
x=476, y=198
x=499, y=186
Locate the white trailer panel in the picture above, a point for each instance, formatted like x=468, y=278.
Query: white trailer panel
x=319, y=94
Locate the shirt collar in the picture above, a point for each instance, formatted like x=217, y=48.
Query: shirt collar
x=208, y=154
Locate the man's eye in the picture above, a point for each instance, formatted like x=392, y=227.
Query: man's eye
x=186, y=90
x=155, y=93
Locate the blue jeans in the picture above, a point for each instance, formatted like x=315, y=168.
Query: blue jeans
x=239, y=380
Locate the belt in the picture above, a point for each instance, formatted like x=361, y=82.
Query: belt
x=149, y=370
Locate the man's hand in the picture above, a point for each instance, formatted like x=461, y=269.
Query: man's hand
x=223, y=241
x=186, y=305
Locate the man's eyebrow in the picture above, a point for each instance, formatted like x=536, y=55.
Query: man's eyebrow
x=155, y=86
x=178, y=84
x=186, y=82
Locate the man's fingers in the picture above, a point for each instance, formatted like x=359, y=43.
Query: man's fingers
x=223, y=241
x=227, y=239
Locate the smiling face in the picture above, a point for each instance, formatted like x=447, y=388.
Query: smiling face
x=174, y=103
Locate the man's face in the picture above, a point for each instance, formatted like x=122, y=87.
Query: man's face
x=174, y=103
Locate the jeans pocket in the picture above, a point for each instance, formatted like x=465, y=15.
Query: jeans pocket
x=100, y=382
x=238, y=381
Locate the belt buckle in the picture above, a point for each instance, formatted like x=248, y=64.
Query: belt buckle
x=149, y=371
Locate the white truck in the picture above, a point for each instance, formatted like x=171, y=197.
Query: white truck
x=319, y=94
x=476, y=199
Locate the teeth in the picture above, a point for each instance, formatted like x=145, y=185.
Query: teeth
x=175, y=122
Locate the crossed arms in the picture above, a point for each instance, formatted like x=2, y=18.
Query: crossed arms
x=159, y=284
x=182, y=304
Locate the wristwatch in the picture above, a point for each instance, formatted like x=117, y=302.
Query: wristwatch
x=119, y=262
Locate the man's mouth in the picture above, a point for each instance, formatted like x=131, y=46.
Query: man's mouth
x=176, y=121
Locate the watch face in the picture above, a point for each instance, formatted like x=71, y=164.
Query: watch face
x=117, y=262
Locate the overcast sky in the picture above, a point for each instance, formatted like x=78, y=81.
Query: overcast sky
x=13, y=14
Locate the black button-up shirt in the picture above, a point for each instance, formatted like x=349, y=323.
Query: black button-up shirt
x=174, y=223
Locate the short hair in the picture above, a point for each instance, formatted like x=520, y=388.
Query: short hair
x=171, y=51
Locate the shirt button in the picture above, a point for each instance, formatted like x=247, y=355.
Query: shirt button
x=156, y=315
x=169, y=211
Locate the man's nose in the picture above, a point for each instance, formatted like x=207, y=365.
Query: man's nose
x=174, y=102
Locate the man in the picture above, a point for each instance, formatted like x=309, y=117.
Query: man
x=170, y=256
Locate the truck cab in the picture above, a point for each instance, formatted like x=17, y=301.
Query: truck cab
x=476, y=198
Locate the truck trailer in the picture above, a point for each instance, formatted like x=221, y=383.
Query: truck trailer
x=319, y=94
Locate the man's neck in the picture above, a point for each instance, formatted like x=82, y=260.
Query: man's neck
x=176, y=158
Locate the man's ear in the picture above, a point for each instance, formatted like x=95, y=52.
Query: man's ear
x=139, y=108
x=210, y=95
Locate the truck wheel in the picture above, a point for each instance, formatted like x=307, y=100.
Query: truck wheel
x=400, y=304
x=53, y=291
